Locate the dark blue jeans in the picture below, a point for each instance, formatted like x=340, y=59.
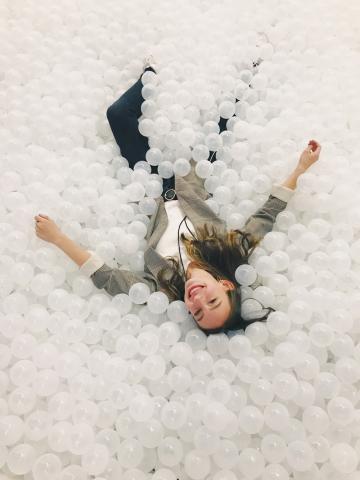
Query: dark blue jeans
x=123, y=118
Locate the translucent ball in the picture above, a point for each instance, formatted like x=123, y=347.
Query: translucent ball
x=151, y=433
x=245, y=275
x=23, y=345
x=154, y=367
x=239, y=346
x=37, y=425
x=197, y=465
x=22, y=273
x=127, y=346
x=259, y=81
x=154, y=156
x=251, y=309
x=222, y=195
x=179, y=379
x=300, y=456
x=58, y=299
x=177, y=311
x=139, y=293
x=200, y=153
x=81, y=438
x=181, y=354
x=130, y=453
x=146, y=127
x=186, y=137
x=251, y=463
x=275, y=470
x=273, y=447
x=21, y=458
x=82, y=286
x=203, y=168
x=22, y=400
x=170, y=451
x=166, y=169
x=42, y=284
x=286, y=355
x=46, y=466
x=227, y=455
x=340, y=410
x=265, y=266
x=169, y=333
x=251, y=420
x=226, y=109
x=141, y=408
x=173, y=415
x=164, y=474
x=95, y=460
x=22, y=372
x=264, y=295
x=315, y=420
x=157, y=302
x=321, y=334
x=285, y=386
x=276, y=416
x=344, y=458
x=215, y=416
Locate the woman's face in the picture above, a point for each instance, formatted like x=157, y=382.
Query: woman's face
x=206, y=298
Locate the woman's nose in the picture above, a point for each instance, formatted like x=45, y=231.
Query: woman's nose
x=198, y=297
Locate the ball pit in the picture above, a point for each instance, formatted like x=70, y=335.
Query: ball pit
x=94, y=387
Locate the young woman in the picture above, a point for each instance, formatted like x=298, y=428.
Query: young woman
x=199, y=269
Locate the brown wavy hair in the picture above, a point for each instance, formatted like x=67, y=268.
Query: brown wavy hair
x=218, y=252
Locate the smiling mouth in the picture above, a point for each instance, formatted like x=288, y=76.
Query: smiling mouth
x=194, y=288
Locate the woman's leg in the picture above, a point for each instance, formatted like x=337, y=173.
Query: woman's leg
x=123, y=119
x=223, y=121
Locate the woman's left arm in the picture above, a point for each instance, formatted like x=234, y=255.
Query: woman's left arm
x=262, y=221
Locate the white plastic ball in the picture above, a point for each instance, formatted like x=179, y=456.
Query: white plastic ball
x=95, y=459
x=45, y=466
x=21, y=458
x=245, y=274
x=157, y=302
x=344, y=458
x=139, y=293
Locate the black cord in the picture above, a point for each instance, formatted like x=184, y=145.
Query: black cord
x=178, y=239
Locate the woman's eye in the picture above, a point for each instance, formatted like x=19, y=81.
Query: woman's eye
x=213, y=300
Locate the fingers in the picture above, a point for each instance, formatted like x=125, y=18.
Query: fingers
x=318, y=150
x=41, y=217
x=313, y=145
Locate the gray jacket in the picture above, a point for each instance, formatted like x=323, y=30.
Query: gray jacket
x=191, y=195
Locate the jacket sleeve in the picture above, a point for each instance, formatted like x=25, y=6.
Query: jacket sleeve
x=262, y=221
x=114, y=280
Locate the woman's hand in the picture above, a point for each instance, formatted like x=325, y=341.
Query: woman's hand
x=310, y=155
x=46, y=229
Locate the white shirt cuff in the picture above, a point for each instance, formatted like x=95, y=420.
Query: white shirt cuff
x=281, y=192
x=91, y=265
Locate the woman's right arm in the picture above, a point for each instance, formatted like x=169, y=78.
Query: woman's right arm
x=113, y=280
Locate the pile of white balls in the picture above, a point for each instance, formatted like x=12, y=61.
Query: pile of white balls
x=108, y=388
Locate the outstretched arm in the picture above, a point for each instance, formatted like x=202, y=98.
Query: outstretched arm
x=309, y=156
x=113, y=280
x=47, y=230
x=259, y=224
